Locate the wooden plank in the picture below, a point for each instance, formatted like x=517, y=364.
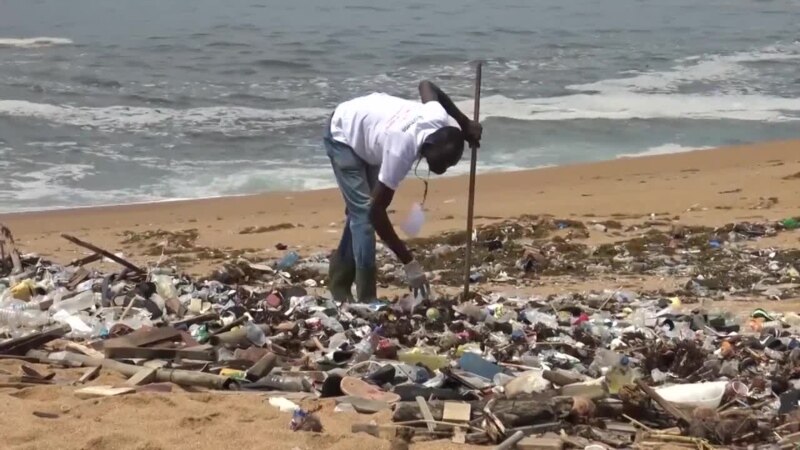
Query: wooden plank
x=85, y=260
x=540, y=443
x=20, y=346
x=143, y=337
x=426, y=413
x=196, y=319
x=89, y=375
x=144, y=376
x=198, y=353
x=456, y=412
x=78, y=277
x=105, y=253
x=102, y=391
x=31, y=372
x=459, y=437
x=84, y=350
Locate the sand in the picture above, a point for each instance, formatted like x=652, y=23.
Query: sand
x=704, y=187
x=713, y=187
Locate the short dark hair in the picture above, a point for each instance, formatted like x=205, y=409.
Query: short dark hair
x=450, y=139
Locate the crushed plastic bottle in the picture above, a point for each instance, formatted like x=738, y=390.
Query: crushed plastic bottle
x=621, y=374
x=289, y=260
x=526, y=383
x=255, y=334
x=164, y=286
x=533, y=317
x=366, y=348
x=80, y=302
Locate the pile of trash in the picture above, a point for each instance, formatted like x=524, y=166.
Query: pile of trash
x=592, y=370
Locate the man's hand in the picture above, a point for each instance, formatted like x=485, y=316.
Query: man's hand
x=473, y=132
x=417, y=280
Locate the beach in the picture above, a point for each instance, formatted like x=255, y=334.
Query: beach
x=755, y=183
x=708, y=187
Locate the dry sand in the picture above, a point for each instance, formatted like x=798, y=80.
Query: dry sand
x=753, y=183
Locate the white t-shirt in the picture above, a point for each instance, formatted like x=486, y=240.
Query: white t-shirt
x=387, y=131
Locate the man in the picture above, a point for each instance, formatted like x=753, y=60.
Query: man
x=373, y=142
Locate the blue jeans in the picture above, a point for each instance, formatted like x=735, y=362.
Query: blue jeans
x=354, y=259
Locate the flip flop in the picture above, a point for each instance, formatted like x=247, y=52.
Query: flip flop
x=359, y=388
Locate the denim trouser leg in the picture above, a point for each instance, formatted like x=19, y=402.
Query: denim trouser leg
x=354, y=260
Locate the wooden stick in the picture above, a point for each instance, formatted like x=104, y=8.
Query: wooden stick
x=472, y=168
x=667, y=406
x=105, y=253
x=426, y=413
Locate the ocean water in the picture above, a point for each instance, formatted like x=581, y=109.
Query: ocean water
x=120, y=101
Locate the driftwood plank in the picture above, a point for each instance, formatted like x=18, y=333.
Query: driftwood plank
x=106, y=253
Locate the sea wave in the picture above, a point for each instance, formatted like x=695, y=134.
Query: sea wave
x=729, y=92
x=34, y=42
x=631, y=105
x=222, y=119
x=664, y=149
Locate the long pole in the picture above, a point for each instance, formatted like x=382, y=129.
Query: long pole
x=472, y=167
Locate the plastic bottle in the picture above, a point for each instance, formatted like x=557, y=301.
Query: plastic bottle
x=367, y=346
x=288, y=261
x=425, y=357
x=164, y=286
x=84, y=300
x=329, y=322
x=255, y=334
x=22, y=318
x=621, y=374
x=545, y=319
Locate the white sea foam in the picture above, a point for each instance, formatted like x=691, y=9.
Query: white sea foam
x=224, y=119
x=629, y=105
x=34, y=42
x=664, y=149
x=657, y=94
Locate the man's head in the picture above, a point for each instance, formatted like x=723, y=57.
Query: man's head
x=443, y=149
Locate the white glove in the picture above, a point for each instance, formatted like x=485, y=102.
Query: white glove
x=417, y=280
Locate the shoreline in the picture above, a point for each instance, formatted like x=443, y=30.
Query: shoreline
x=716, y=185
x=623, y=156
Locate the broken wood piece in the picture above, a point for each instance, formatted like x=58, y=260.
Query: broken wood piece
x=456, y=412
x=177, y=376
x=142, y=377
x=84, y=350
x=102, y=391
x=19, y=346
x=666, y=405
x=426, y=413
x=94, y=257
x=33, y=373
x=105, y=253
x=89, y=375
x=144, y=337
x=238, y=321
x=511, y=441
x=540, y=443
x=459, y=437
x=77, y=278
x=7, y=245
x=196, y=319
x=199, y=353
